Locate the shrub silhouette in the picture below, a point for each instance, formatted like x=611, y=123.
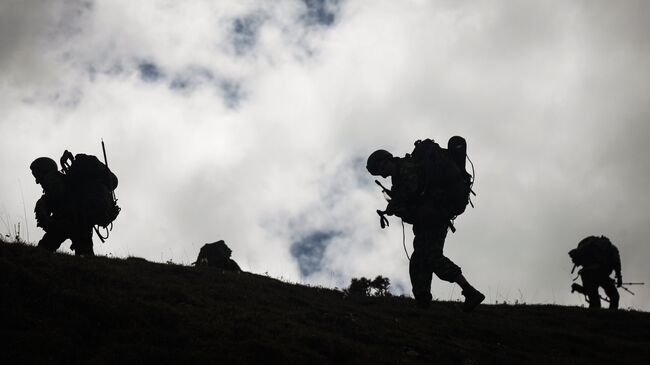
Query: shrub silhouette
x=364, y=287
x=380, y=286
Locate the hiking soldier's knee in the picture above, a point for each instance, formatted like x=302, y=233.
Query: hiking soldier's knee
x=594, y=300
x=82, y=241
x=52, y=240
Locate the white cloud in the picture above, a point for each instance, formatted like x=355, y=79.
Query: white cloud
x=266, y=143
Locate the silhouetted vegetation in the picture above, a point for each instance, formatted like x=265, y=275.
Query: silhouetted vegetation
x=58, y=308
x=365, y=287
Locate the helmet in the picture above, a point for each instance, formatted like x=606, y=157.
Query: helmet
x=376, y=159
x=43, y=166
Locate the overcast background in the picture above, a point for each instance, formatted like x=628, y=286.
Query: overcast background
x=250, y=121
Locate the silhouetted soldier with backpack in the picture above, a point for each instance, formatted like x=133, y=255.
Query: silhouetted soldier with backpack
x=598, y=258
x=430, y=188
x=74, y=201
x=216, y=254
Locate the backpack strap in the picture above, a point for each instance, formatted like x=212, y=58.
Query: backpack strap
x=66, y=160
x=103, y=238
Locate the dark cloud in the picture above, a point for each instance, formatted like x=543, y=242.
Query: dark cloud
x=321, y=12
x=113, y=69
x=150, y=72
x=232, y=92
x=309, y=251
x=191, y=78
x=244, y=32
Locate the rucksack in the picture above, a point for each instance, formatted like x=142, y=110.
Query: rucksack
x=216, y=254
x=595, y=250
x=93, y=185
x=444, y=174
x=430, y=177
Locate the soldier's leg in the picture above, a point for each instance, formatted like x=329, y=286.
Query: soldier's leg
x=443, y=267
x=420, y=268
x=590, y=285
x=447, y=270
x=52, y=239
x=82, y=241
x=611, y=291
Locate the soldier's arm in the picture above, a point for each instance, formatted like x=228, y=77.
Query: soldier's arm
x=403, y=194
x=616, y=259
x=54, y=190
x=42, y=212
x=397, y=205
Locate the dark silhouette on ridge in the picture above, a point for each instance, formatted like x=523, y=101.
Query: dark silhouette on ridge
x=74, y=200
x=430, y=188
x=216, y=254
x=598, y=258
x=364, y=287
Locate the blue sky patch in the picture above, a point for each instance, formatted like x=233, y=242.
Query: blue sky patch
x=321, y=12
x=244, y=33
x=309, y=251
x=231, y=91
x=149, y=72
x=191, y=78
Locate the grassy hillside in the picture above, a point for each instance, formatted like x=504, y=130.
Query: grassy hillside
x=56, y=308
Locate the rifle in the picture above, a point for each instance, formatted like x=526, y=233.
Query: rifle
x=106, y=163
x=580, y=289
x=628, y=290
x=117, y=208
x=104, y=151
x=383, y=189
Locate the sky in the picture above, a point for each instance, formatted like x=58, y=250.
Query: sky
x=251, y=121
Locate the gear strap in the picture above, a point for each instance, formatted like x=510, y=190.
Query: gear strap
x=383, y=221
x=103, y=238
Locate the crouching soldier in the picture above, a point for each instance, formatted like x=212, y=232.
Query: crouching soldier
x=598, y=258
x=75, y=200
x=56, y=211
x=216, y=254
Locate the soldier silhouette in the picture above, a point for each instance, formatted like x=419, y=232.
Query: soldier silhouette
x=430, y=187
x=217, y=254
x=598, y=258
x=74, y=200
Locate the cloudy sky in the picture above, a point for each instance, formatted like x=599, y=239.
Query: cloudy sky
x=250, y=121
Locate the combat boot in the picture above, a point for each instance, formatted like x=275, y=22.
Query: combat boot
x=473, y=298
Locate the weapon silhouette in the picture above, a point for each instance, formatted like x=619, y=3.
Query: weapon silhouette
x=580, y=289
x=628, y=290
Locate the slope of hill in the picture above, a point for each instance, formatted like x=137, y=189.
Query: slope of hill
x=56, y=308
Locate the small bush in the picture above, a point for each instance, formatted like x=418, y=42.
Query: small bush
x=364, y=287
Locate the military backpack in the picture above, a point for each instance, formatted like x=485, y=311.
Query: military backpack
x=93, y=185
x=434, y=176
